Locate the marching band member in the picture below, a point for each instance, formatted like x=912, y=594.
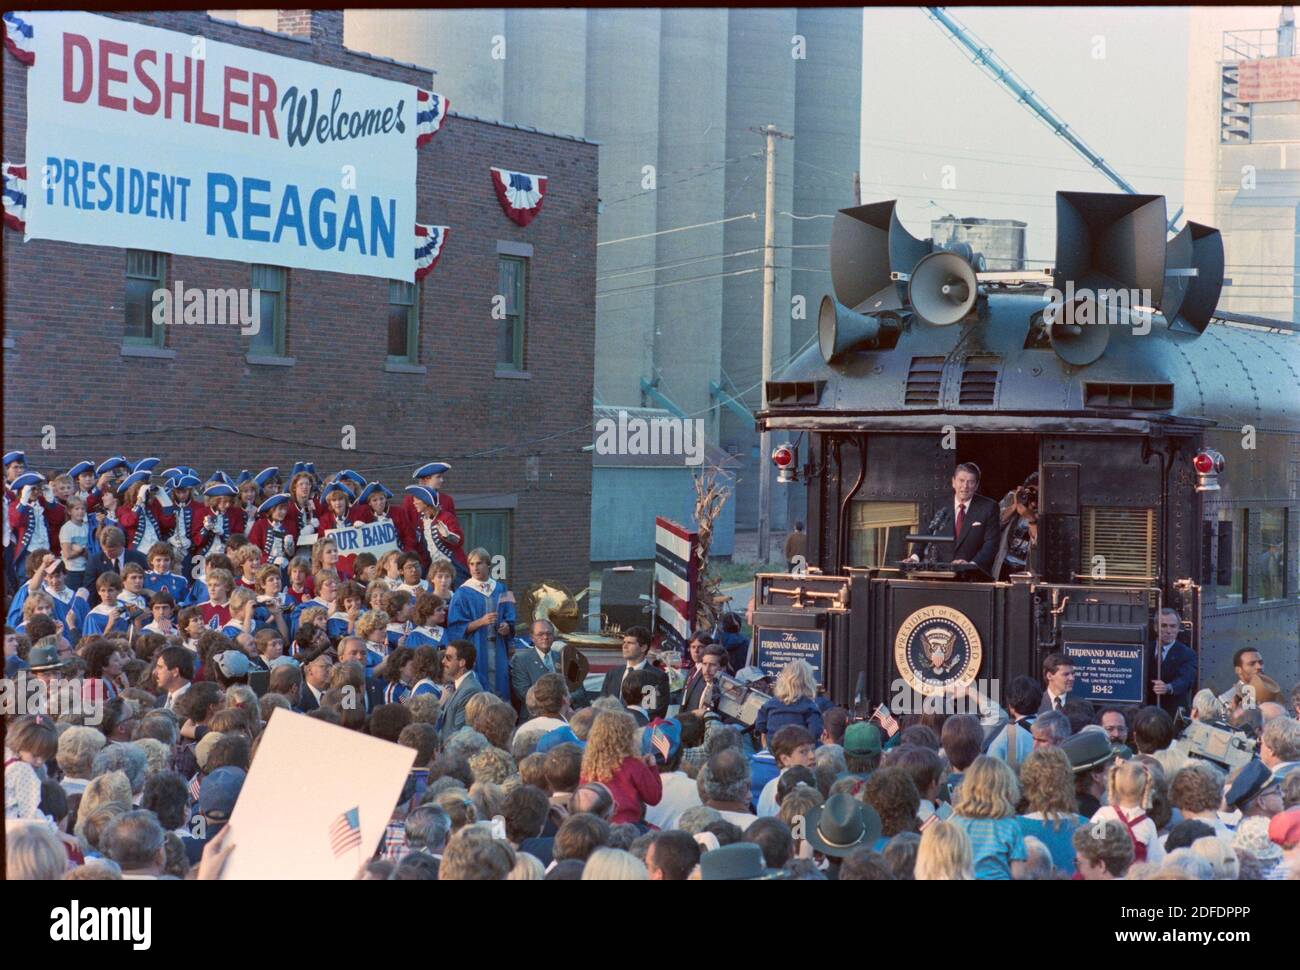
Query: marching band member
x=248, y=494
x=143, y=518
x=304, y=515
x=438, y=536
x=33, y=519
x=108, y=474
x=209, y=534
x=431, y=476
x=268, y=482
x=83, y=477
x=161, y=576
x=270, y=534
x=187, y=511
x=336, y=501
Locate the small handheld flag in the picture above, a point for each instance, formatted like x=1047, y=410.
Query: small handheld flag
x=345, y=832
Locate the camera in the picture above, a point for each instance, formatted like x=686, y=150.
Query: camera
x=737, y=701
x=1027, y=495
x=1213, y=741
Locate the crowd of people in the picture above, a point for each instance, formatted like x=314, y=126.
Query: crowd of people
x=131, y=724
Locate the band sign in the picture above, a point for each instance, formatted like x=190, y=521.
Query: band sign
x=773, y=649
x=375, y=538
x=1107, y=671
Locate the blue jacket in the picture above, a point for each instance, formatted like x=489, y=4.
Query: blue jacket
x=776, y=715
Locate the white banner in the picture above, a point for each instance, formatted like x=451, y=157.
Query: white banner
x=157, y=140
x=376, y=538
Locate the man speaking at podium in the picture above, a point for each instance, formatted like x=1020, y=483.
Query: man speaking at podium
x=971, y=519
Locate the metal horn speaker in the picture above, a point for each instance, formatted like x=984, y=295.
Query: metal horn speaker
x=943, y=288
x=1077, y=331
x=1108, y=241
x=867, y=244
x=840, y=329
x=1189, y=301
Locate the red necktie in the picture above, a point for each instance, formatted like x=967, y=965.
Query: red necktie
x=961, y=520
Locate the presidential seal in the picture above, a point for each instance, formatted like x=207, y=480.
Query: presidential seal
x=937, y=649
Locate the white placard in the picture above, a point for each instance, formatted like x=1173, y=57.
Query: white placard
x=309, y=774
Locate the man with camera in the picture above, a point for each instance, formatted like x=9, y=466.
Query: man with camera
x=1019, y=518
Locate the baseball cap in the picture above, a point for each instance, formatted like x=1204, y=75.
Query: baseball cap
x=862, y=738
x=219, y=792
x=232, y=663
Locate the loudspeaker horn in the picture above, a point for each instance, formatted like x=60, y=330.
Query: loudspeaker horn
x=867, y=244
x=1108, y=241
x=840, y=329
x=943, y=288
x=1190, y=301
x=1077, y=331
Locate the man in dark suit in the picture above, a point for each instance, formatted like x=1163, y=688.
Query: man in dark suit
x=458, y=669
x=1173, y=666
x=693, y=689
x=316, y=672
x=527, y=667
x=971, y=519
x=636, y=649
x=114, y=556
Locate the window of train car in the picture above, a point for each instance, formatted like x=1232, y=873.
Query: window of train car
x=877, y=530
x=1231, y=558
x=1268, y=566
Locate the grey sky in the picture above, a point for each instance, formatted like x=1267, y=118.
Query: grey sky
x=926, y=105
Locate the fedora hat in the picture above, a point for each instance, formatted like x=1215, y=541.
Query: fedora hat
x=840, y=825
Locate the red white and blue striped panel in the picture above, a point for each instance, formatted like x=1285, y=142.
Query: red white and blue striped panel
x=675, y=582
x=20, y=36
x=520, y=194
x=428, y=247
x=430, y=115
x=15, y=196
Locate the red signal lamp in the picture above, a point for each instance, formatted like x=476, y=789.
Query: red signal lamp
x=783, y=459
x=1208, y=465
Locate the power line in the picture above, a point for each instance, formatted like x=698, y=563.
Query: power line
x=664, y=232
x=655, y=267
x=691, y=279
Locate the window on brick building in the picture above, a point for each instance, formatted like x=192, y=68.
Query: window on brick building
x=404, y=322
x=488, y=529
x=272, y=284
x=512, y=284
x=145, y=273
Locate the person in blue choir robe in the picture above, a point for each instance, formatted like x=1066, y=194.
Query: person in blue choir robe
x=483, y=612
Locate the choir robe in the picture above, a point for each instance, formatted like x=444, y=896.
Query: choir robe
x=64, y=600
x=95, y=622
x=470, y=603
x=427, y=636
x=147, y=524
x=176, y=585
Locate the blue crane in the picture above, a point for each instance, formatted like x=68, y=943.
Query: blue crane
x=1000, y=72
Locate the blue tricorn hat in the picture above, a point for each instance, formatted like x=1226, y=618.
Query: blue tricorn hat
x=80, y=468
x=13, y=456
x=272, y=502
x=426, y=495
x=348, y=474
x=432, y=468
x=145, y=465
x=333, y=487
x=222, y=477
x=370, y=490
x=111, y=464
x=25, y=479
x=265, y=475
x=186, y=481
x=244, y=476
x=218, y=489
x=141, y=476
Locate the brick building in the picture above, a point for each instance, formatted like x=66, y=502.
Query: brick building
x=443, y=381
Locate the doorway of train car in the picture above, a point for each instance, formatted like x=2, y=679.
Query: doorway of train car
x=1005, y=460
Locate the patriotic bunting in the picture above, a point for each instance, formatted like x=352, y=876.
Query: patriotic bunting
x=15, y=196
x=428, y=247
x=430, y=114
x=520, y=193
x=18, y=37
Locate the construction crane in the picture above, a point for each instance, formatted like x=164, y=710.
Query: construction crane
x=1000, y=72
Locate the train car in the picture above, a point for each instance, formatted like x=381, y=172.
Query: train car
x=1165, y=435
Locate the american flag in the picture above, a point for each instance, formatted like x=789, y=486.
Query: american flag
x=345, y=833
x=196, y=786
x=659, y=741
x=887, y=720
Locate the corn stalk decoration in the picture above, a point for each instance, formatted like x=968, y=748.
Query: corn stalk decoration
x=711, y=494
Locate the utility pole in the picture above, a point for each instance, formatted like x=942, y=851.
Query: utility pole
x=769, y=303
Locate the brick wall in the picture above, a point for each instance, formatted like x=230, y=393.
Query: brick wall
x=63, y=308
